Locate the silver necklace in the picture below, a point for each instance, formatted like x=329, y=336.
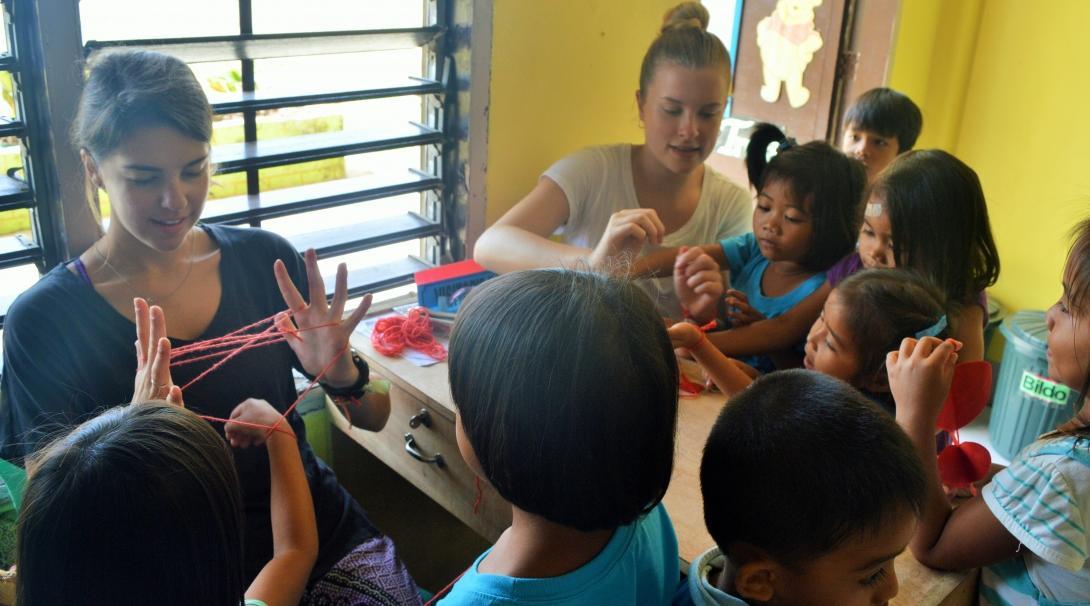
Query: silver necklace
x=136, y=291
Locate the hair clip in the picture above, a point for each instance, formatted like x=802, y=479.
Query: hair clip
x=778, y=147
x=934, y=329
x=873, y=210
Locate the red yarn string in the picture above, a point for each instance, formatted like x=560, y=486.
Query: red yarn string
x=686, y=386
x=232, y=344
x=480, y=495
x=393, y=334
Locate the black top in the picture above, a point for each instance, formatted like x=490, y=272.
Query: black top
x=68, y=355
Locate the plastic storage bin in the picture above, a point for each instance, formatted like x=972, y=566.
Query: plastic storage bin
x=1027, y=403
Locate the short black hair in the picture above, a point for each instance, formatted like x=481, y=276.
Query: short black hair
x=833, y=182
x=801, y=462
x=566, y=385
x=940, y=222
x=888, y=113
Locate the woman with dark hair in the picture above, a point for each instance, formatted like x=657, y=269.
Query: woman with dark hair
x=143, y=130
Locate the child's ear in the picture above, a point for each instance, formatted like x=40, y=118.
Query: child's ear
x=756, y=581
x=755, y=573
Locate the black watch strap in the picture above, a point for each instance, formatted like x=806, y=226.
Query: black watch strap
x=354, y=390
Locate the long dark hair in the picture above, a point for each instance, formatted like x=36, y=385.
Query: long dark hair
x=815, y=171
x=140, y=501
x=940, y=222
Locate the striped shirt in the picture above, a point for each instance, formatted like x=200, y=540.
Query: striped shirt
x=1043, y=500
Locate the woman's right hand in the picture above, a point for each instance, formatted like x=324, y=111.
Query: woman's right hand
x=628, y=230
x=153, y=381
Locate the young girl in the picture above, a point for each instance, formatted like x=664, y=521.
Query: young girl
x=806, y=218
x=609, y=202
x=577, y=433
x=141, y=505
x=1031, y=525
x=927, y=212
x=864, y=317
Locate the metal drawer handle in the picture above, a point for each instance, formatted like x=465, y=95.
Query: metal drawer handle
x=420, y=418
x=414, y=451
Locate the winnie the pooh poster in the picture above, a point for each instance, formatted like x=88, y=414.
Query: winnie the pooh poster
x=788, y=39
x=785, y=69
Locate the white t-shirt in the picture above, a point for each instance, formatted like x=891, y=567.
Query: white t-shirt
x=598, y=182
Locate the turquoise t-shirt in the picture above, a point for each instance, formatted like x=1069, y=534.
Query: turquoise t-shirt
x=747, y=267
x=639, y=565
x=255, y=602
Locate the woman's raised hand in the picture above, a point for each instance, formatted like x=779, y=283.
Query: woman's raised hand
x=320, y=331
x=153, y=380
x=628, y=230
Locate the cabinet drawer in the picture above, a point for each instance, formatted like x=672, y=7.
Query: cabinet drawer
x=412, y=443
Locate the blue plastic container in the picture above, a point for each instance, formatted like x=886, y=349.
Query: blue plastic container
x=1026, y=403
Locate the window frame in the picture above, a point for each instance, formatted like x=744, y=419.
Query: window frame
x=438, y=136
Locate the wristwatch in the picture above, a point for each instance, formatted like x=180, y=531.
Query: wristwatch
x=354, y=390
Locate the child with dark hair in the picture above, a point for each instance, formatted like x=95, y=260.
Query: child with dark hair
x=801, y=437
x=1029, y=527
x=577, y=433
x=927, y=213
x=806, y=218
x=881, y=124
x=141, y=504
x=865, y=317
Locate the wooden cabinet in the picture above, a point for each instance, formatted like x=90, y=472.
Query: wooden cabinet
x=418, y=442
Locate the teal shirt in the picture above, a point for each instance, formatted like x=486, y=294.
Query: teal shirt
x=639, y=565
x=747, y=267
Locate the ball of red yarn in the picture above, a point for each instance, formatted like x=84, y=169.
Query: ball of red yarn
x=393, y=334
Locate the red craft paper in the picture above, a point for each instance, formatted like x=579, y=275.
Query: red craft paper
x=969, y=393
x=962, y=464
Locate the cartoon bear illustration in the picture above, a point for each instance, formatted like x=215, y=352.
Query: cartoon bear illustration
x=787, y=39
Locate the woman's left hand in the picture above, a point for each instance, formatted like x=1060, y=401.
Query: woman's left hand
x=320, y=331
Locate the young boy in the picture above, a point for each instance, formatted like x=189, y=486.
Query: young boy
x=810, y=492
x=881, y=124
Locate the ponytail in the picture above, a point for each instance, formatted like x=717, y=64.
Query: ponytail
x=762, y=136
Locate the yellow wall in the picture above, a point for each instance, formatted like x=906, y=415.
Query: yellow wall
x=564, y=76
x=932, y=58
x=1019, y=118
x=1002, y=84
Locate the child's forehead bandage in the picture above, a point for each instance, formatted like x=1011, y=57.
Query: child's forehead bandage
x=873, y=210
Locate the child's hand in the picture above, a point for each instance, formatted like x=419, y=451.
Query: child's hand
x=698, y=283
x=739, y=311
x=153, y=380
x=684, y=335
x=920, y=373
x=258, y=416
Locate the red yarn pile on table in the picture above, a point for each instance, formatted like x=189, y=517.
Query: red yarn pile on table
x=393, y=334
